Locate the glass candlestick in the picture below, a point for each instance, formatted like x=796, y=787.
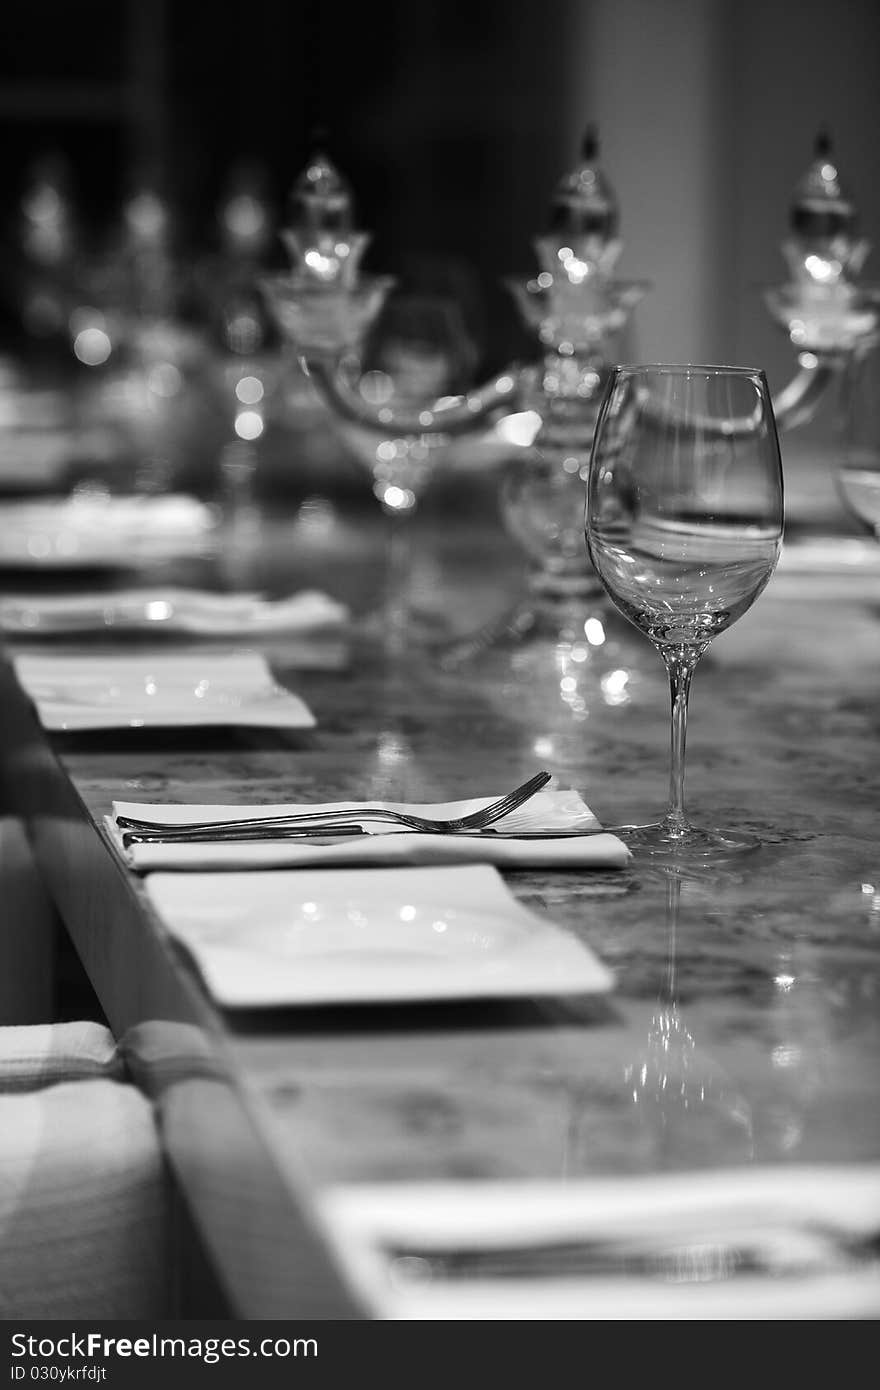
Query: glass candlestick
x=377, y=361
x=564, y=628
x=578, y=316
x=326, y=307
x=827, y=314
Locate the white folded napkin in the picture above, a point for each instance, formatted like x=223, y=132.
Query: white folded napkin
x=158, y=689
x=384, y=844
x=157, y=610
x=746, y=1243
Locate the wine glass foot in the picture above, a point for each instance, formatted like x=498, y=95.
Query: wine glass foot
x=690, y=844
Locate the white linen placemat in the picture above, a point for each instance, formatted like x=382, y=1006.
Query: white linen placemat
x=547, y=810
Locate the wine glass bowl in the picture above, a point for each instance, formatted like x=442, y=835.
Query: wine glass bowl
x=684, y=522
x=416, y=351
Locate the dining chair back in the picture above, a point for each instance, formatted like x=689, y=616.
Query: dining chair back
x=84, y=1197
x=83, y=1191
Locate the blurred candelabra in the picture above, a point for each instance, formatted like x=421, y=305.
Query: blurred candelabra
x=829, y=317
x=105, y=313
x=242, y=335
x=50, y=243
x=386, y=364
x=391, y=368
x=577, y=308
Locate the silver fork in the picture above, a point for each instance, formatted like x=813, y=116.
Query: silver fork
x=796, y=1250
x=475, y=820
x=327, y=833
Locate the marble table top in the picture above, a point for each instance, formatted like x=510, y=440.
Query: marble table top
x=744, y=1024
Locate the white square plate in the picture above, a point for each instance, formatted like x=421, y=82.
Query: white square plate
x=195, y=612
x=103, y=532
x=269, y=939
x=156, y=690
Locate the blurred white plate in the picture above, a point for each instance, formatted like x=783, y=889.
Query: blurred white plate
x=102, y=531
x=153, y=690
x=834, y=555
x=275, y=938
x=195, y=611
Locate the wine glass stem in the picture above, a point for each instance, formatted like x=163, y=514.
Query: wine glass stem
x=680, y=665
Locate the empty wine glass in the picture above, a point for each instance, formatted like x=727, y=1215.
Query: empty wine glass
x=417, y=350
x=684, y=522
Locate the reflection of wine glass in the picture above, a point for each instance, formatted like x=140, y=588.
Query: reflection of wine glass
x=684, y=525
x=693, y=1107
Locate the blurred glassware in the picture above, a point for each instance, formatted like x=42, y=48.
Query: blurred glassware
x=823, y=306
x=119, y=364
x=246, y=225
x=578, y=310
x=417, y=349
x=827, y=314
x=247, y=346
x=394, y=352
x=146, y=253
x=147, y=360
x=245, y=217
x=563, y=634
x=49, y=239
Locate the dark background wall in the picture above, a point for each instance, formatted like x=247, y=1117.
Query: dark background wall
x=454, y=119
